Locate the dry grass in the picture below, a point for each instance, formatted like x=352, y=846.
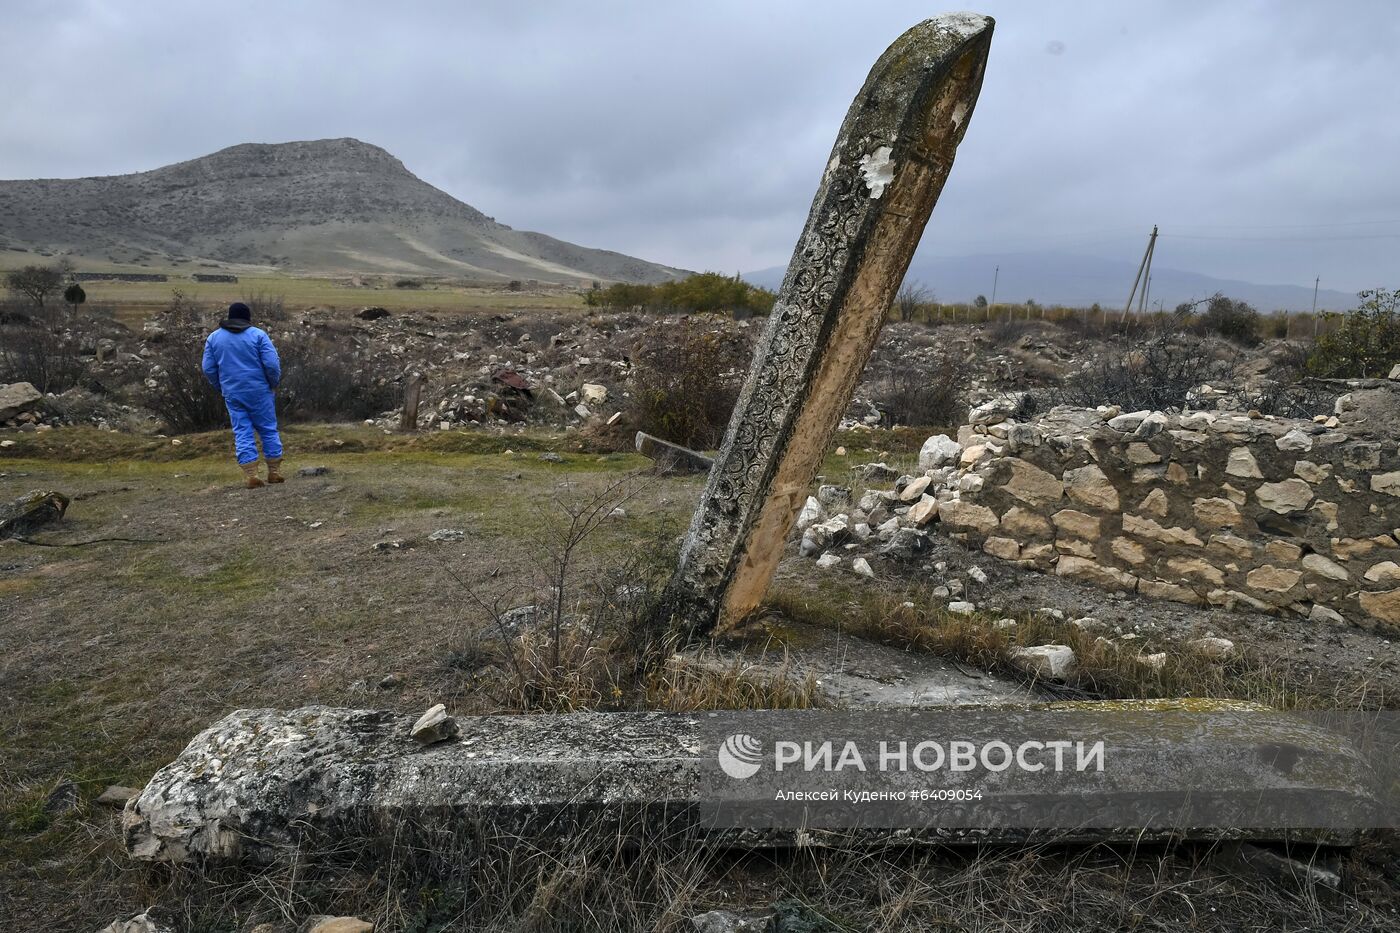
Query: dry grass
x=1108, y=668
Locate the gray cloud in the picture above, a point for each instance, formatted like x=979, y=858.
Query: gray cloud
x=694, y=134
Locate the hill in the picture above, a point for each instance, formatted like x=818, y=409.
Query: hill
x=325, y=206
x=1080, y=281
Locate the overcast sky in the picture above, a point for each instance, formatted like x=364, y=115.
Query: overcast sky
x=1263, y=137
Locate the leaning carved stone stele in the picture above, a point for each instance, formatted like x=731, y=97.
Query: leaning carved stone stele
x=891, y=158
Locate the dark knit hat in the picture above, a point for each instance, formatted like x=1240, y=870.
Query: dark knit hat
x=238, y=311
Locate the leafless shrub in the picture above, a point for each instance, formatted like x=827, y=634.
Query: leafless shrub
x=912, y=301
x=929, y=396
x=183, y=398
x=44, y=352
x=324, y=379
x=685, y=381
x=1156, y=371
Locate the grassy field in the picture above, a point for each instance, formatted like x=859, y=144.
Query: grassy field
x=131, y=302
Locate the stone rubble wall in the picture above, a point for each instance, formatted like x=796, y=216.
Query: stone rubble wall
x=1205, y=508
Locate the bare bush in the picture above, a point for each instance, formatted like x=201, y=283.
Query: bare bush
x=42, y=350
x=932, y=396
x=1158, y=372
x=182, y=397
x=324, y=379
x=685, y=381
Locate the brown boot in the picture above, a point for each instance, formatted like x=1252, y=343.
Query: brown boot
x=250, y=472
x=274, y=470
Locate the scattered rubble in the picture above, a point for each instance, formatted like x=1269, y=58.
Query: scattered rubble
x=1205, y=508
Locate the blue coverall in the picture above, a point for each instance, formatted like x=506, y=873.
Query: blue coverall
x=242, y=363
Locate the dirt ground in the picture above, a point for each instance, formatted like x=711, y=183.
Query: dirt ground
x=114, y=654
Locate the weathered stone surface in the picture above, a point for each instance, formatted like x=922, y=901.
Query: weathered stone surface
x=17, y=397
x=1233, y=545
x=915, y=489
x=1217, y=513
x=1287, y=496
x=672, y=457
x=148, y=921
x=1024, y=523
x=1052, y=662
x=1273, y=579
x=1089, y=486
x=938, y=450
x=1241, y=463
x=1197, y=568
x=891, y=158
x=1383, y=605
x=1031, y=484
x=1154, y=504
x=959, y=514
x=1285, y=551
x=1386, y=571
x=1086, y=569
x=1128, y=551
x=1311, y=472
x=1147, y=528
x=1388, y=483
x=1325, y=568
x=923, y=511
x=1212, y=646
x=31, y=512
x=1160, y=589
x=1076, y=523
x=116, y=796
x=1295, y=440
x=434, y=726
x=1004, y=548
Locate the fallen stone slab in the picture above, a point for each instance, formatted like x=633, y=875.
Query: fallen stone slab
x=672, y=457
x=856, y=673
x=30, y=512
x=262, y=783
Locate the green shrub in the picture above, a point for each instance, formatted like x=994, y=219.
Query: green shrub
x=1234, y=320
x=707, y=291
x=1367, y=345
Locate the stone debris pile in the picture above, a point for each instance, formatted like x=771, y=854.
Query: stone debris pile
x=1204, y=508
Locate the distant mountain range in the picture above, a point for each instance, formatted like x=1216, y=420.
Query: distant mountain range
x=1080, y=281
x=327, y=206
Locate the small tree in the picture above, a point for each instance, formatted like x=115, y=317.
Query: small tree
x=75, y=296
x=1367, y=344
x=35, y=282
x=1234, y=320
x=911, y=300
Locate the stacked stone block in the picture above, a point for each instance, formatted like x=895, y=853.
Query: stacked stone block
x=1206, y=508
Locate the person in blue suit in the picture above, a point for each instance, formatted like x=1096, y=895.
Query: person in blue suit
x=241, y=362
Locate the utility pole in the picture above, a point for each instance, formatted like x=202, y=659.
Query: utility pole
x=1316, y=282
x=996, y=274
x=1144, y=266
